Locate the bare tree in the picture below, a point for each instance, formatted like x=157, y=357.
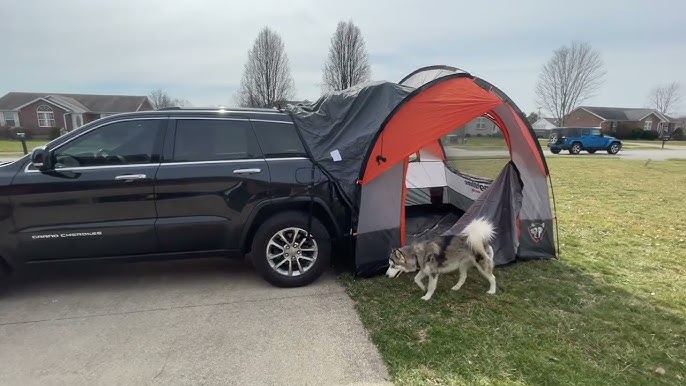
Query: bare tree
x=161, y=99
x=348, y=62
x=571, y=76
x=665, y=99
x=267, y=75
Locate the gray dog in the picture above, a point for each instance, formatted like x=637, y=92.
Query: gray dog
x=446, y=254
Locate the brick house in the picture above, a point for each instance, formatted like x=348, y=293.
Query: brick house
x=621, y=121
x=39, y=113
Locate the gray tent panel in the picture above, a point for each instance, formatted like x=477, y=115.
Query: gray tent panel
x=344, y=124
x=379, y=223
x=500, y=204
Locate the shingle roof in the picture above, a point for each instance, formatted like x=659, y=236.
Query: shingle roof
x=623, y=114
x=89, y=102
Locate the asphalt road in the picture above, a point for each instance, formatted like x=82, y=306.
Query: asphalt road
x=654, y=154
x=183, y=322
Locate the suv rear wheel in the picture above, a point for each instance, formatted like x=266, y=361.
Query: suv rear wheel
x=575, y=148
x=283, y=254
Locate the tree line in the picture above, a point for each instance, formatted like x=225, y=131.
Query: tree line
x=574, y=74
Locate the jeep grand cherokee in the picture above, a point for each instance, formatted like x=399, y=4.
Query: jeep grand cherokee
x=174, y=183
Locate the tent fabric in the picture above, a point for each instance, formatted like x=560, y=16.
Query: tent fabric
x=428, y=115
x=362, y=139
x=500, y=204
x=338, y=128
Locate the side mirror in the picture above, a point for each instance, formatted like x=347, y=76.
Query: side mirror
x=40, y=158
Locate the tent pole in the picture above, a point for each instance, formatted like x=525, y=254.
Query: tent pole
x=557, y=231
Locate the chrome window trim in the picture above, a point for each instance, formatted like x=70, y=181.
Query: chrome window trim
x=85, y=168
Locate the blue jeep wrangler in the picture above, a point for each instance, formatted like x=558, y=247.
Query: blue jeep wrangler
x=576, y=139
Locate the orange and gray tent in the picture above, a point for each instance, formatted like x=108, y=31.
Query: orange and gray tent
x=380, y=144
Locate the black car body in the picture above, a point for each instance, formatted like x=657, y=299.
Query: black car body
x=174, y=183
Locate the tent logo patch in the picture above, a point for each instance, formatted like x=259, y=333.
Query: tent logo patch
x=476, y=185
x=536, y=231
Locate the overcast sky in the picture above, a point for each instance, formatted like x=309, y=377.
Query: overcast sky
x=196, y=49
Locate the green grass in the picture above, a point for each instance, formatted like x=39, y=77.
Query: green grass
x=480, y=143
x=611, y=311
x=480, y=166
x=11, y=146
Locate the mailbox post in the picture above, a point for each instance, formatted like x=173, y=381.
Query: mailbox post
x=22, y=138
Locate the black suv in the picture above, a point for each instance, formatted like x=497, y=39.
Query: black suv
x=174, y=183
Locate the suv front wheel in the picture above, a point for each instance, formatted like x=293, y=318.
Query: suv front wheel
x=284, y=255
x=613, y=149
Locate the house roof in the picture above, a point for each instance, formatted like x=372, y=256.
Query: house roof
x=623, y=114
x=552, y=120
x=86, y=102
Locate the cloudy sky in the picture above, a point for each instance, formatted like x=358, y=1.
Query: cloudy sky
x=196, y=49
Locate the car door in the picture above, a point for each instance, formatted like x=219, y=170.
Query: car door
x=596, y=139
x=212, y=174
x=97, y=200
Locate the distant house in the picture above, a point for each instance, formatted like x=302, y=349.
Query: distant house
x=39, y=113
x=618, y=120
x=543, y=126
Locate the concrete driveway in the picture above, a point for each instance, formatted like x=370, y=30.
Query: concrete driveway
x=183, y=322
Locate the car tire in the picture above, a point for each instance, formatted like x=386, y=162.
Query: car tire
x=575, y=148
x=591, y=151
x=281, y=253
x=556, y=151
x=613, y=149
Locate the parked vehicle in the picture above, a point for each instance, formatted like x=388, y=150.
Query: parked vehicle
x=576, y=139
x=174, y=183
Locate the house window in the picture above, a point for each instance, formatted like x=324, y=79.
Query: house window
x=648, y=125
x=46, y=118
x=9, y=118
x=481, y=123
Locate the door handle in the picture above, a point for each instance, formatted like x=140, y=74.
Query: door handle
x=130, y=177
x=247, y=171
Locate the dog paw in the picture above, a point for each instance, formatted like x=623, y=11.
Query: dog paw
x=425, y=297
x=491, y=292
x=455, y=288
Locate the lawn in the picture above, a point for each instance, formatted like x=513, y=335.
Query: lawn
x=611, y=311
x=11, y=146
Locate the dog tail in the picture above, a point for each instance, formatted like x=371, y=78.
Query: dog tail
x=479, y=233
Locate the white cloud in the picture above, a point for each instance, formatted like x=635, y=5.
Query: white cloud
x=196, y=50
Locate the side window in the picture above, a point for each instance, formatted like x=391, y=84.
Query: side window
x=119, y=143
x=585, y=131
x=278, y=139
x=595, y=132
x=214, y=140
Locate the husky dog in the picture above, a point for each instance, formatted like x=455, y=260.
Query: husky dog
x=446, y=254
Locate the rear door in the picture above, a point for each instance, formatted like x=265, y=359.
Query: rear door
x=595, y=139
x=212, y=175
x=98, y=202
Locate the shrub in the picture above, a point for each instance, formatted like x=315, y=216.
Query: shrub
x=54, y=132
x=650, y=135
x=14, y=130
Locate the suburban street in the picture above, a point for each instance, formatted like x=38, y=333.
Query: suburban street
x=669, y=152
x=183, y=322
